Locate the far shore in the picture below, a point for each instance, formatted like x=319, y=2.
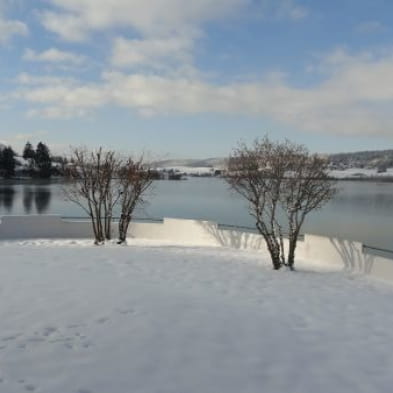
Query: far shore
x=59, y=179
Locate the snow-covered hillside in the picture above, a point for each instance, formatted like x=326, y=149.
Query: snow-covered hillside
x=188, y=170
x=147, y=319
x=360, y=173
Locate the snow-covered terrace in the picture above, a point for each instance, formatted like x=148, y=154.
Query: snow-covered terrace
x=327, y=252
x=186, y=307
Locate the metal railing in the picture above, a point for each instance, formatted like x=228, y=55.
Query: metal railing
x=367, y=249
x=377, y=251
x=250, y=229
x=115, y=218
x=160, y=220
x=230, y=226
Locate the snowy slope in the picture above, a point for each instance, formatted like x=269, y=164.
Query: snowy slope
x=360, y=172
x=144, y=319
x=191, y=170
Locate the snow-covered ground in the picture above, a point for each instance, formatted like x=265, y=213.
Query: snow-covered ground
x=338, y=174
x=188, y=170
x=360, y=172
x=151, y=318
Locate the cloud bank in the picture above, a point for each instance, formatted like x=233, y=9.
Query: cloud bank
x=354, y=99
x=150, y=69
x=10, y=27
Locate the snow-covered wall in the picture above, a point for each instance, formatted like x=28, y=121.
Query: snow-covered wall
x=196, y=232
x=335, y=253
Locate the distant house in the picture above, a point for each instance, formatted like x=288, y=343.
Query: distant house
x=381, y=169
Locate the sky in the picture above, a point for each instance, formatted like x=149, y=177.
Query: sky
x=180, y=78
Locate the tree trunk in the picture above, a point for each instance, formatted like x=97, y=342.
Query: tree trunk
x=108, y=225
x=272, y=245
x=274, y=251
x=291, y=251
x=94, y=229
x=124, y=222
x=99, y=233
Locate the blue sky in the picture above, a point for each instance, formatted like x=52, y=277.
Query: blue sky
x=189, y=79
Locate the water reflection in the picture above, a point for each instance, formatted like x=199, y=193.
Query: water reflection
x=361, y=211
x=34, y=199
x=42, y=198
x=373, y=198
x=7, y=195
x=28, y=195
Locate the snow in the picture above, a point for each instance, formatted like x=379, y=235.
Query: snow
x=22, y=162
x=191, y=170
x=360, y=173
x=154, y=318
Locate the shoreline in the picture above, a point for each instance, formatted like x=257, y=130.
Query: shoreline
x=21, y=180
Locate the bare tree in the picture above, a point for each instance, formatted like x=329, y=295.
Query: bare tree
x=250, y=174
x=307, y=187
x=91, y=188
x=282, y=184
x=109, y=188
x=135, y=179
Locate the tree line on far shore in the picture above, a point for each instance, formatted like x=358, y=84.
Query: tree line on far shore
x=38, y=162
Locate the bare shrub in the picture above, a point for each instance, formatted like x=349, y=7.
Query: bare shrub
x=91, y=187
x=282, y=183
x=135, y=178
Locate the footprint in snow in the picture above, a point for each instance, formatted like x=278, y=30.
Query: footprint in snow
x=102, y=320
x=11, y=337
x=49, y=331
x=74, y=326
x=127, y=311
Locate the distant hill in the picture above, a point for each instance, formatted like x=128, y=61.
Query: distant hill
x=192, y=163
x=373, y=159
x=363, y=159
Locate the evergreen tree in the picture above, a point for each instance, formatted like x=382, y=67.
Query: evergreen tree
x=7, y=162
x=29, y=155
x=43, y=160
x=28, y=151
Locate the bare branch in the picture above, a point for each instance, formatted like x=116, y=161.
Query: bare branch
x=283, y=183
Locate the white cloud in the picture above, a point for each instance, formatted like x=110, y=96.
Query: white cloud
x=54, y=55
x=288, y=9
x=152, y=51
x=18, y=140
x=370, y=27
x=355, y=98
x=164, y=32
x=55, y=112
x=75, y=19
x=67, y=26
x=28, y=79
x=9, y=27
x=298, y=13
x=30, y=136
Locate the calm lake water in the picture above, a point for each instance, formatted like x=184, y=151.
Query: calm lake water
x=361, y=211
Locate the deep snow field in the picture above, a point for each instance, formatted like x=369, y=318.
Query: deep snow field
x=153, y=318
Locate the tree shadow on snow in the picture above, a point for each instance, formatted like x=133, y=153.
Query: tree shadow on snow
x=233, y=238
x=353, y=257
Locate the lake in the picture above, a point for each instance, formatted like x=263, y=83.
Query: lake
x=361, y=211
